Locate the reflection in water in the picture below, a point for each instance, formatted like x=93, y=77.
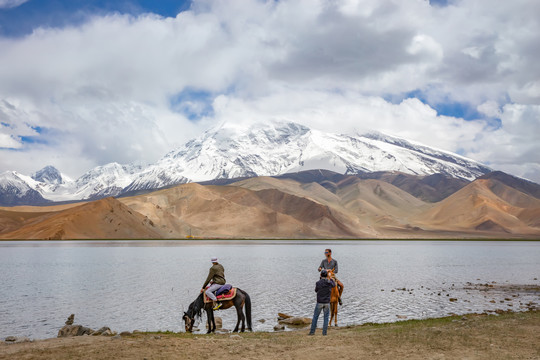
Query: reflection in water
x=145, y=285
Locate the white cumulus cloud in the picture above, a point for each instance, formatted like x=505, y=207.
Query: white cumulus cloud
x=108, y=89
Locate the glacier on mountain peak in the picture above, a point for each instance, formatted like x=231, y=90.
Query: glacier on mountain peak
x=270, y=148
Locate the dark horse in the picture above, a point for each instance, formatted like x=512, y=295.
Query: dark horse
x=195, y=309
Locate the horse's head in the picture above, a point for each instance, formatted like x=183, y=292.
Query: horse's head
x=194, y=309
x=188, y=322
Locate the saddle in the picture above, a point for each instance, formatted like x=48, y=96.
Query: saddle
x=228, y=293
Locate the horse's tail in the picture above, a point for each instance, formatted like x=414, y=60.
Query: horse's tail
x=248, y=310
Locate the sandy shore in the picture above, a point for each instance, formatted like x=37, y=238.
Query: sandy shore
x=509, y=335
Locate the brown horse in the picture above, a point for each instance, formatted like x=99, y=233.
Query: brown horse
x=334, y=298
x=239, y=301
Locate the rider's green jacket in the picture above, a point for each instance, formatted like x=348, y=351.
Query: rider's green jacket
x=216, y=275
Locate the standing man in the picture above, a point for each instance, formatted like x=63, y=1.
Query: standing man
x=323, y=288
x=216, y=279
x=331, y=264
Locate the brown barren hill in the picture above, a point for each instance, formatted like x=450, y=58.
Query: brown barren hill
x=233, y=211
x=285, y=208
x=484, y=206
x=379, y=205
x=102, y=219
x=310, y=190
x=430, y=188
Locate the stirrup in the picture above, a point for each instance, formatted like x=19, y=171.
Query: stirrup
x=217, y=306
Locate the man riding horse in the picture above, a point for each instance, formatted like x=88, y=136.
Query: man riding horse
x=216, y=279
x=234, y=297
x=332, y=265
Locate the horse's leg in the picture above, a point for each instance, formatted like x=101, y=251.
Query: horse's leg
x=240, y=307
x=213, y=321
x=332, y=306
x=335, y=311
x=209, y=318
x=239, y=315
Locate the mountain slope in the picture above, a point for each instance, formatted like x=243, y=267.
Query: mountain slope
x=50, y=184
x=231, y=211
x=430, y=188
x=525, y=186
x=263, y=149
x=485, y=205
x=103, y=219
x=266, y=207
x=282, y=147
x=17, y=189
x=48, y=175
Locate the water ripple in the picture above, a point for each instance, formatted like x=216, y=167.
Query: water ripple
x=146, y=285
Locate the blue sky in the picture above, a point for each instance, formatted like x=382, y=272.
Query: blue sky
x=23, y=19
x=83, y=83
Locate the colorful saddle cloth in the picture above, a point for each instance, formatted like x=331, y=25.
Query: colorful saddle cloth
x=225, y=296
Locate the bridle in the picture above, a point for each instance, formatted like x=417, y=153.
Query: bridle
x=189, y=322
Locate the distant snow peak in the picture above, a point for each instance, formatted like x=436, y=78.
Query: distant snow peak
x=278, y=147
x=48, y=175
x=16, y=189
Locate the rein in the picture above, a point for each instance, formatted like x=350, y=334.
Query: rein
x=195, y=308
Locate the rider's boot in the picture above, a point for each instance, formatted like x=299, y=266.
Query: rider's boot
x=339, y=300
x=217, y=305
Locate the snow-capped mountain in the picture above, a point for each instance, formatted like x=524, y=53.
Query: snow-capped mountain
x=263, y=149
x=100, y=182
x=17, y=189
x=48, y=184
x=281, y=147
x=48, y=175
x=106, y=180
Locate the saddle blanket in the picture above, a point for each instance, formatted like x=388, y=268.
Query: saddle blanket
x=223, y=297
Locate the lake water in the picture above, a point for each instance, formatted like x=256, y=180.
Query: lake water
x=146, y=285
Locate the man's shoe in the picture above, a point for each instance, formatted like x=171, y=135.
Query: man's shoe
x=217, y=306
x=311, y=334
x=339, y=300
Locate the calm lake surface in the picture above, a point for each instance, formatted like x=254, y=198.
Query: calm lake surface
x=146, y=285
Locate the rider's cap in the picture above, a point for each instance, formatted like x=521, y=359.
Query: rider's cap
x=214, y=259
x=324, y=273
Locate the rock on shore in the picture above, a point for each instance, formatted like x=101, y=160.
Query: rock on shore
x=74, y=330
x=16, y=339
x=69, y=329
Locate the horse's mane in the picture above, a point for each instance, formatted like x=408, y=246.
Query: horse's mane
x=195, y=308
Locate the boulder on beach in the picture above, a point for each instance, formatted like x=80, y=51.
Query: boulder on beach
x=70, y=319
x=279, y=327
x=282, y=316
x=16, y=339
x=74, y=330
x=296, y=321
x=108, y=332
x=219, y=322
x=102, y=331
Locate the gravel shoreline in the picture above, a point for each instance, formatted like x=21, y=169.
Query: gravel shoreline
x=505, y=335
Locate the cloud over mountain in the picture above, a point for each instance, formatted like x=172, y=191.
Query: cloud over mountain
x=121, y=87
